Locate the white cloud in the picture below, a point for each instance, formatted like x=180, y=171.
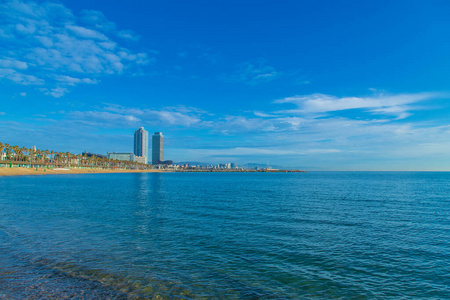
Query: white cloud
x=128, y=35
x=86, y=33
x=183, y=116
x=45, y=43
x=400, y=112
x=13, y=64
x=172, y=117
x=55, y=92
x=23, y=94
x=2, y=113
x=103, y=116
x=20, y=78
x=169, y=116
x=67, y=80
x=263, y=123
x=235, y=124
x=397, y=105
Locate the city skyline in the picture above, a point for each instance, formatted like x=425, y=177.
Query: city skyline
x=315, y=85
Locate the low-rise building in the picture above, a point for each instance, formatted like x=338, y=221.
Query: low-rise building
x=140, y=159
x=121, y=156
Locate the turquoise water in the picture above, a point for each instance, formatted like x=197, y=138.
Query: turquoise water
x=319, y=235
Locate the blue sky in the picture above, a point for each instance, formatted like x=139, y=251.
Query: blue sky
x=319, y=85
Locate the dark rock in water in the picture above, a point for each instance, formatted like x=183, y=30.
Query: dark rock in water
x=27, y=280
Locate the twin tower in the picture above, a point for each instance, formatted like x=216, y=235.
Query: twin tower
x=141, y=145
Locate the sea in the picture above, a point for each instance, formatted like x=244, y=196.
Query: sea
x=315, y=235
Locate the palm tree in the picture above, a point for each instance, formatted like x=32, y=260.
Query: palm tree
x=1, y=150
x=8, y=151
x=46, y=158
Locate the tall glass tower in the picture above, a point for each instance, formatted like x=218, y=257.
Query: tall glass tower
x=157, y=148
x=141, y=143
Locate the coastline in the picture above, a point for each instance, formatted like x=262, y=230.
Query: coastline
x=18, y=171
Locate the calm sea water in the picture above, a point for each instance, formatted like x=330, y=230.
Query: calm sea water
x=221, y=235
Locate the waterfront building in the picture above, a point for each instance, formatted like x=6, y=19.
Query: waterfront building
x=121, y=156
x=140, y=159
x=141, y=143
x=157, y=148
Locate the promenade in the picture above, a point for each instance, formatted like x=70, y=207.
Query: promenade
x=18, y=171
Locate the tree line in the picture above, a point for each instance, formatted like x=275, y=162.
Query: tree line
x=10, y=154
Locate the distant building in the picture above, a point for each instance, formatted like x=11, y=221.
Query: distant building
x=157, y=148
x=121, y=156
x=140, y=159
x=141, y=143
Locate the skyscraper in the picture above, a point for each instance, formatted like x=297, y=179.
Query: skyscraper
x=141, y=143
x=157, y=148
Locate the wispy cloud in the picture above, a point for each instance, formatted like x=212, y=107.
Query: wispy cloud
x=396, y=105
x=254, y=73
x=46, y=44
x=108, y=119
x=261, y=124
x=188, y=117
x=19, y=77
x=55, y=92
x=116, y=116
x=241, y=151
x=68, y=80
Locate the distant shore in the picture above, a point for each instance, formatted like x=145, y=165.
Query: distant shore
x=18, y=171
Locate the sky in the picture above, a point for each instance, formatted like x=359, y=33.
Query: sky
x=316, y=85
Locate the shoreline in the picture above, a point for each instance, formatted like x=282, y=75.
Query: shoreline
x=19, y=171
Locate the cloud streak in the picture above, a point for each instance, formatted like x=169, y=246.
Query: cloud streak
x=395, y=105
x=116, y=116
x=253, y=73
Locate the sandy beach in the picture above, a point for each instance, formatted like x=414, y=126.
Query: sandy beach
x=29, y=171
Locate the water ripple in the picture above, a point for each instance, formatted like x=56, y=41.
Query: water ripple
x=221, y=236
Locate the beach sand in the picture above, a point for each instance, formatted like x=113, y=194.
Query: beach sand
x=29, y=171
